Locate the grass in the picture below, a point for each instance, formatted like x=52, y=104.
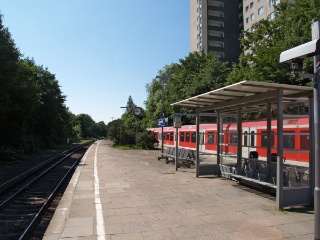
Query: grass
x=126, y=147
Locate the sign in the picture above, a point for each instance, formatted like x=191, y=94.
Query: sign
x=177, y=122
x=162, y=122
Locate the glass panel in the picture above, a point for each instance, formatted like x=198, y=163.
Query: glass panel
x=188, y=137
x=245, y=139
x=210, y=139
x=181, y=136
x=234, y=137
x=252, y=138
x=264, y=139
x=171, y=136
x=288, y=139
x=193, y=137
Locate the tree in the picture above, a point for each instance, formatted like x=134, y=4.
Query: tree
x=196, y=74
x=123, y=131
x=33, y=114
x=101, y=129
x=130, y=105
x=114, y=131
x=262, y=47
x=8, y=81
x=86, y=125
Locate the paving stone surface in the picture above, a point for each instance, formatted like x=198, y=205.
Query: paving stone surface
x=129, y=194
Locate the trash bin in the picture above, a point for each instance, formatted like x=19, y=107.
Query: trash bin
x=254, y=154
x=274, y=157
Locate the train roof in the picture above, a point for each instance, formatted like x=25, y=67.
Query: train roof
x=292, y=122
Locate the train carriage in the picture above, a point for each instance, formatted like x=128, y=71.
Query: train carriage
x=296, y=138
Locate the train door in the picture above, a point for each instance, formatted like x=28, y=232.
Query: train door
x=249, y=141
x=202, y=141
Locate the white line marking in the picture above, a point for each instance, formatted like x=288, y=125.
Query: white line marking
x=99, y=213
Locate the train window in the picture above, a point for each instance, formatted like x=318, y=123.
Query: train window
x=188, y=137
x=245, y=138
x=167, y=136
x=252, y=138
x=304, y=140
x=181, y=136
x=233, y=137
x=288, y=139
x=264, y=139
x=210, y=139
x=171, y=136
x=193, y=138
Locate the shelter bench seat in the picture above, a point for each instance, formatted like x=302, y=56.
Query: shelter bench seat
x=169, y=152
x=186, y=157
x=252, y=172
x=256, y=173
x=263, y=175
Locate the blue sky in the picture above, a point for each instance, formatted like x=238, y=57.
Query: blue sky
x=101, y=51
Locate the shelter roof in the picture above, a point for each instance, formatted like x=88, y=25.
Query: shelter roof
x=247, y=95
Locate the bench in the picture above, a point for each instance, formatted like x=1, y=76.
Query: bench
x=227, y=171
x=169, y=152
x=263, y=175
x=186, y=156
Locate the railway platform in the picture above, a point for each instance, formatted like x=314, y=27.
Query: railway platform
x=129, y=194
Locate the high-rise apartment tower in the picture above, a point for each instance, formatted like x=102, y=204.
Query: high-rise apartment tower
x=256, y=10
x=215, y=27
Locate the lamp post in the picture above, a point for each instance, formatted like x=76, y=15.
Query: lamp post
x=316, y=35
x=162, y=105
x=137, y=112
x=312, y=49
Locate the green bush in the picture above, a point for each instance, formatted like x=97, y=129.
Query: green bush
x=147, y=140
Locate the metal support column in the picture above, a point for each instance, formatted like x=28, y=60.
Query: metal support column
x=197, y=143
x=218, y=142
x=137, y=133
x=279, y=197
x=239, y=131
x=317, y=159
x=316, y=92
x=162, y=111
x=177, y=149
x=312, y=148
x=268, y=133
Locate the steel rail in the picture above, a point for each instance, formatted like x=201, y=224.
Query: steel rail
x=27, y=173
x=48, y=201
x=8, y=200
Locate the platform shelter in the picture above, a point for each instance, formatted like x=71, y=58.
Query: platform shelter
x=272, y=98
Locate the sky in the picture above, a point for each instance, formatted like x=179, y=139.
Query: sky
x=101, y=51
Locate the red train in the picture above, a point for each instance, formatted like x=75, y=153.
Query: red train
x=296, y=138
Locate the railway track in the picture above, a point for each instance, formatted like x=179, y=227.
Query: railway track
x=25, y=199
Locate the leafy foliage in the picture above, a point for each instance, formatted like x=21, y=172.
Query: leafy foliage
x=33, y=114
x=196, y=74
x=123, y=132
x=263, y=46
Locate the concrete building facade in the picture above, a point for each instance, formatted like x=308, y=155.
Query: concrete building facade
x=215, y=27
x=256, y=10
